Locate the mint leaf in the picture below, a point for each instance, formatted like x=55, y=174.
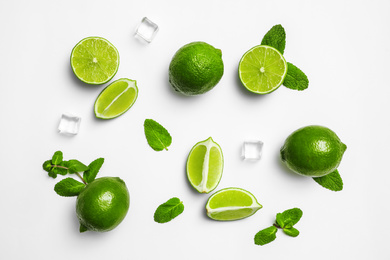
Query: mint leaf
x=168, y=210
x=57, y=158
x=288, y=218
x=331, y=181
x=69, y=187
x=76, y=166
x=47, y=165
x=295, y=78
x=265, y=236
x=293, y=232
x=58, y=170
x=157, y=136
x=93, y=169
x=275, y=37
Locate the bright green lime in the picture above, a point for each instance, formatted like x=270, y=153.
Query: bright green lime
x=103, y=204
x=232, y=204
x=195, y=68
x=313, y=151
x=116, y=98
x=205, y=165
x=262, y=69
x=94, y=60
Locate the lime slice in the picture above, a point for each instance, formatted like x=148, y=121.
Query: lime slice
x=94, y=60
x=116, y=98
x=262, y=69
x=205, y=165
x=232, y=204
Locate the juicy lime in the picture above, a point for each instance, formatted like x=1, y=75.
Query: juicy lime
x=313, y=151
x=262, y=69
x=116, y=98
x=205, y=165
x=195, y=68
x=103, y=204
x=94, y=60
x=231, y=204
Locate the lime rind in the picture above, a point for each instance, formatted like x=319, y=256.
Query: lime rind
x=91, y=64
x=204, y=184
x=257, y=75
x=227, y=213
x=116, y=99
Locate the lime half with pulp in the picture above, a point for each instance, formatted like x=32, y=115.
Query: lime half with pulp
x=262, y=69
x=116, y=98
x=94, y=60
x=232, y=204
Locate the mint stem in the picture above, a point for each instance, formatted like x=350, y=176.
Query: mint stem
x=63, y=167
x=78, y=174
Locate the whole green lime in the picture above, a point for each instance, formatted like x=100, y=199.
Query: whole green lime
x=195, y=68
x=313, y=151
x=103, y=204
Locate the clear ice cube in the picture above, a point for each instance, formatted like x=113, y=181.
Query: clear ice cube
x=69, y=125
x=146, y=30
x=252, y=150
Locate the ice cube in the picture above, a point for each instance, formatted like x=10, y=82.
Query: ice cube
x=252, y=150
x=146, y=30
x=69, y=124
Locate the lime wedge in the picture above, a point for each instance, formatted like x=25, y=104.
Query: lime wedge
x=94, y=60
x=262, y=69
x=116, y=98
x=231, y=204
x=205, y=165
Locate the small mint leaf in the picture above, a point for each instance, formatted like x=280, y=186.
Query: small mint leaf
x=76, y=166
x=69, y=187
x=293, y=232
x=265, y=236
x=57, y=158
x=52, y=174
x=59, y=170
x=275, y=37
x=157, y=136
x=47, y=166
x=295, y=78
x=168, y=210
x=331, y=181
x=93, y=169
x=288, y=218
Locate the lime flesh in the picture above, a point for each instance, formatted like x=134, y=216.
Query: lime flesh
x=232, y=204
x=94, y=60
x=262, y=69
x=205, y=165
x=116, y=98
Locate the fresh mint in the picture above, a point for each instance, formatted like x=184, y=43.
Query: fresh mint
x=285, y=220
x=68, y=186
x=168, y=210
x=295, y=79
x=331, y=181
x=275, y=37
x=157, y=136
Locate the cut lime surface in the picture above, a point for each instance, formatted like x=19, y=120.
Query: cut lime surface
x=262, y=69
x=94, y=60
x=231, y=204
x=205, y=165
x=116, y=98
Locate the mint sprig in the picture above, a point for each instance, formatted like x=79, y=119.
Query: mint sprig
x=295, y=79
x=168, y=210
x=69, y=186
x=285, y=220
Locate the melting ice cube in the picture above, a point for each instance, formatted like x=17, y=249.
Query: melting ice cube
x=69, y=125
x=146, y=30
x=252, y=150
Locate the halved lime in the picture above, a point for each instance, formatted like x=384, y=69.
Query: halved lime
x=116, y=98
x=94, y=60
x=205, y=165
x=262, y=69
x=232, y=204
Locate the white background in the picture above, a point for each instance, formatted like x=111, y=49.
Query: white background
x=342, y=46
